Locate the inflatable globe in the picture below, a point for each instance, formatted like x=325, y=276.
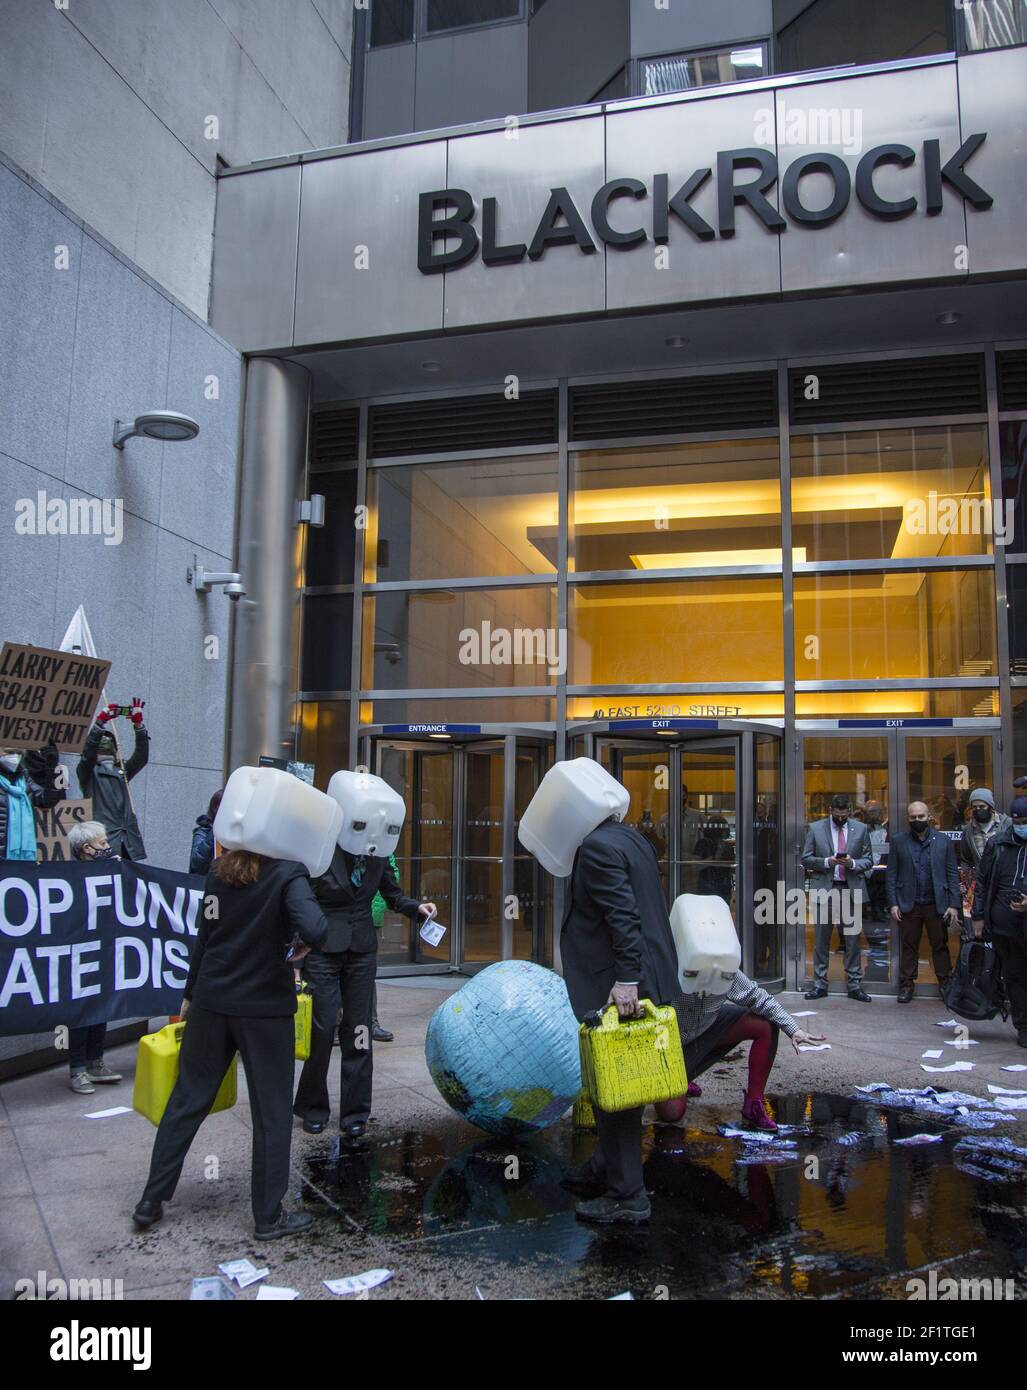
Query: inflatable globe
x=503, y=1050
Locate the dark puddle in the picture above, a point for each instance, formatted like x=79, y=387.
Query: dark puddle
x=846, y=1213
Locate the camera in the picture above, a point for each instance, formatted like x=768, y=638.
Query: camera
x=235, y=591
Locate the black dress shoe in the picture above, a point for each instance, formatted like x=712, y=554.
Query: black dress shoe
x=314, y=1126
x=905, y=996
x=817, y=992
x=608, y=1210
x=147, y=1214
x=860, y=996
x=289, y=1223
x=352, y=1139
x=380, y=1034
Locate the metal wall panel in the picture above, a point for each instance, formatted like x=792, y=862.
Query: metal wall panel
x=520, y=173
x=366, y=200
x=676, y=140
x=255, y=258
x=472, y=76
x=859, y=113
x=993, y=97
x=681, y=26
x=389, y=91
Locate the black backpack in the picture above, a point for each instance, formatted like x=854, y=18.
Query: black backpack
x=975, y=989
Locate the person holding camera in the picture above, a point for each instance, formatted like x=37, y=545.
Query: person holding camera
x=102, y=777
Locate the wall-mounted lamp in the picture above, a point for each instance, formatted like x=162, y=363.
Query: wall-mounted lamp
x=167, y=425
x=204, y=580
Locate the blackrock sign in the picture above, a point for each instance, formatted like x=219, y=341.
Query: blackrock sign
x=744, y=176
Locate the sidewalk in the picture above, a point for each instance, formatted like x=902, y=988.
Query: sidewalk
x=68, y=1184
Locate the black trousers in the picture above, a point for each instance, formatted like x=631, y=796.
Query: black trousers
x=339, y=979
x=85, y=1045
x=210, y=1041
x=911, y=929
x=1012, y=952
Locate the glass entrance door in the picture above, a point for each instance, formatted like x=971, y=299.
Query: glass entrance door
x=882, y=772
x=459, y=850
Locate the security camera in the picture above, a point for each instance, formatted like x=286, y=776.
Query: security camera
x=235, y=592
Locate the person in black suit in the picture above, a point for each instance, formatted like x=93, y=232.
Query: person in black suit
x=341, y=974
x=240, y=997
x=616, y=946
x=922, y=890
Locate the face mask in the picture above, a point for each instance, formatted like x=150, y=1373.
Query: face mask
x=840, y=820
x=983, y=814
x=1021, y=831
x=107, y=853
x=920, y=827
x=11, y=764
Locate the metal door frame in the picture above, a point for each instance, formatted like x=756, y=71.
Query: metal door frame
x=894, y=736
x=507, y=739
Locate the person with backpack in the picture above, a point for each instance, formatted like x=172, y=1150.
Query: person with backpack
x=978, y=832
x=1000, y=908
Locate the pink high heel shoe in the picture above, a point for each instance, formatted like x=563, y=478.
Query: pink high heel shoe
x=756, y=1114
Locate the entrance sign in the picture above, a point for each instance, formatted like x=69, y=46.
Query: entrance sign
x=431, y=728
x=48, y=696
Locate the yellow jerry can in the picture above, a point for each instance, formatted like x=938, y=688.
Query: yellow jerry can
x=304, y=1016
x=584, y=1117
x=157, y=1072
x=632, y=1061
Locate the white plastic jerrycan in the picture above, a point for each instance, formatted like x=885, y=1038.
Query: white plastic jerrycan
x=708, y=948
x=373, y=813
x=268, y=811
x=572, y=799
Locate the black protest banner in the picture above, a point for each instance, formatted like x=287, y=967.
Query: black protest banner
x=48, y=696
x=90, y=943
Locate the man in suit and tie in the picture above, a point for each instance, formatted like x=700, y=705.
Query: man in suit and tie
x=341, y=975
x=922, y=887
x=616, y=946
x=838, y=856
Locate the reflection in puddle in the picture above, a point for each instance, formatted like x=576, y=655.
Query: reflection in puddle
x=845, y=1213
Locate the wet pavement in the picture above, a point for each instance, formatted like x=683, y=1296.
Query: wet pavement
x=834, y=1209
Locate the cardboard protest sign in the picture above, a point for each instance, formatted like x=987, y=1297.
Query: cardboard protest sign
x=53, y=824
x=48, y=696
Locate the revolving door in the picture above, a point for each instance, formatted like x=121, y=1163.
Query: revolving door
x=465, y=793
x=707, y=797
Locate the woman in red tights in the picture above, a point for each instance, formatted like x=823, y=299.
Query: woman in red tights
x=712, y=1024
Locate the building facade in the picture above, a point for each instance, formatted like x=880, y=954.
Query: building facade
x=682, y=429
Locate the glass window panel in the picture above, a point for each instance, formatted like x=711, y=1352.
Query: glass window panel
x=683, y=631
x=890, y=626
x=834, y=33
x=1013, y=436
x=324, y=738
x=891, y=494
x=460, y=637
x=938, y=770
x=330, y=547
x=462, y=520
x=680, y=506
x=709, y=823
x=424, y=779
x=502, y=709
x=483, y=803
x=680, y=72
x=458, y=14
x=1016, y=579
x=991, y=24
x=392, y=21
x=897, y=704
x=1019, y=735
x=327, y=641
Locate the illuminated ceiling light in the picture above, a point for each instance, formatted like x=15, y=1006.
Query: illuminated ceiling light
x=440, y=735
x=710, y=559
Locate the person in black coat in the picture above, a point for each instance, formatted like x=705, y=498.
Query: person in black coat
x=1000, y=908
x=201, y=855
x=240, y=996
x=103, y=778
x=341, y=975
x=922, y=891
x=617, y=948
